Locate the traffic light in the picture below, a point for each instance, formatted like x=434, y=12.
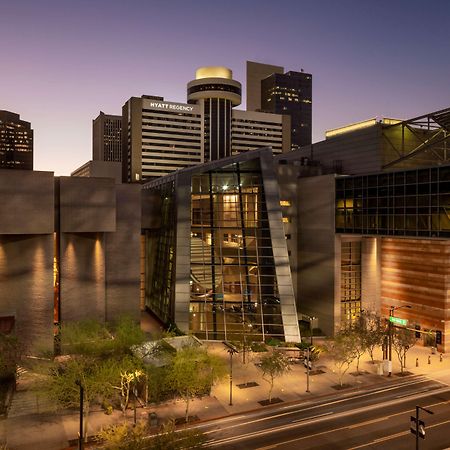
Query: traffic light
x=421, y=427
x=438, y=337
x=417, y=327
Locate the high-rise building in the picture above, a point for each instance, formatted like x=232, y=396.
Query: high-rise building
x=271, y=90
x=16, y=142
x=256, y=72
x=290, y=93
x=216, y=93
x=107, y=138
x=161, y=137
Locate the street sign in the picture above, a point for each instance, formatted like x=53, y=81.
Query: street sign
x=398, y=321
x=421, y=427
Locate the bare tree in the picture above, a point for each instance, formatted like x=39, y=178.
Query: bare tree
x=342, y=350
x=402, y=340
x=272, y=366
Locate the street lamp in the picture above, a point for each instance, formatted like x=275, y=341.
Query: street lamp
x=231, y=349
x=80, y=439
x=392, y=309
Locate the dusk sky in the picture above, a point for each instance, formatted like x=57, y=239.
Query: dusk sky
x=64, y=61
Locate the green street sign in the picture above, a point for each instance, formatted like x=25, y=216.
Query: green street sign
x=398, y=321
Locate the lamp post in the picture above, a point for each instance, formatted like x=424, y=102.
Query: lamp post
x=308, y=353
x=231, y=349
x=392, y=309
x=80, y=439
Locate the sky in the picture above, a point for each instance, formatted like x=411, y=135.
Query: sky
x=64, y=61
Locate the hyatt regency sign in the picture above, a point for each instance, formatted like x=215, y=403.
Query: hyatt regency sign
x=171, y=106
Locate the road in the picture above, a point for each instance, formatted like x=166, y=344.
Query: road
x=378, y=418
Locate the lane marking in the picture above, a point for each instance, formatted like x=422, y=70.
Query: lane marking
x=395, y=436
x=300, y=408
x=292, y=425
x=312, y=417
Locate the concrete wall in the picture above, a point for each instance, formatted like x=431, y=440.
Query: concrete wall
x=357, y=152
x=82, y=276
x=316, y=250
x=87, y=205
x=26, y=202
x=26, y=287
x=122, y=255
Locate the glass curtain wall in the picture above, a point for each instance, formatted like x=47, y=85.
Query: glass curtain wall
x=160, y=251
x=403, y=203
x=234, y=292
x=350, y=282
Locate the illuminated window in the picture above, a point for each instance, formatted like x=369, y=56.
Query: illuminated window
x=285, y=203
x=286, y=220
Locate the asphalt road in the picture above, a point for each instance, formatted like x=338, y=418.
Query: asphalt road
x=372, y=419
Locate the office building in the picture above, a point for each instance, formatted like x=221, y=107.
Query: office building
x=16, y=142
x=256, y=72
x=271, y=90
x=162, y=137
x=290, y=93
x=107, y=138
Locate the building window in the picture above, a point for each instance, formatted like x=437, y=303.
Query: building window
x=350, y=282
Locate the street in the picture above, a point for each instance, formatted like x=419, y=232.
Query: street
x=373, y=419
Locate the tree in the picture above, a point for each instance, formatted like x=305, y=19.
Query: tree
x=342, y=350
x=374, y=331
x=402, y=340
x=193, y=372
x=272, y=366
x=100, y=379
x=357, y=333
x=127, y=437
x=10, y=354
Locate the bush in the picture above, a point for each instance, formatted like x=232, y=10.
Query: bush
x=10, y=354
x=273, y=342
x=258, y=347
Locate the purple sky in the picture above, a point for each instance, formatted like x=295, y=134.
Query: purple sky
x=63, y=61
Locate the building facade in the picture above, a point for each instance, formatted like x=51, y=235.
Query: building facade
x=376, y=240
x=161, y=137
x=69, y=250
x=256, y=72
x=291, y=94
x=271, y=90
x=107, y=138
x=223, y=267
x=16, y=142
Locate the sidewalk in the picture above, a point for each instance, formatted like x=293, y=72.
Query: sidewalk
x=47, y=431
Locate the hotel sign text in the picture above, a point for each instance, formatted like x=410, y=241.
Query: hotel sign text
x=171, y=106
